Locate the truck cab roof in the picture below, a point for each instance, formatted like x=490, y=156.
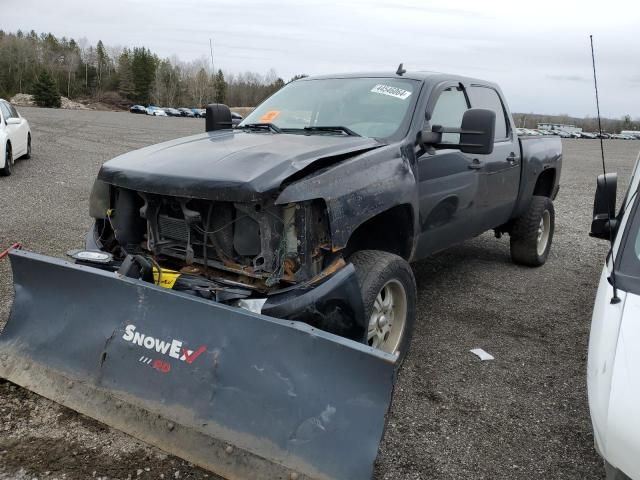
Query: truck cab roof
x=423, y=76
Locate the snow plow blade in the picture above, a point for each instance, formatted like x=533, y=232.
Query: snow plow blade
x=237, y=393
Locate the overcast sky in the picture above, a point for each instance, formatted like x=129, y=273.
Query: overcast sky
x=538, y=51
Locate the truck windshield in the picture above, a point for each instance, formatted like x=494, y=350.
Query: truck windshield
x=370, y=107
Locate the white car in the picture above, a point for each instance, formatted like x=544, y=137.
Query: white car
x=613, y=365
x=156, y=111
x=15, y=137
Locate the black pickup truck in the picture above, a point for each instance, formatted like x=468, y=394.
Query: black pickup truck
x=313, y=207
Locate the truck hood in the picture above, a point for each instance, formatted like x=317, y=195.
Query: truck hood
x=229, y=165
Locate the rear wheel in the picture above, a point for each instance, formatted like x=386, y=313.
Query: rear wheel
x=28, y=154
x=532, y=233
x=389, y=295
x=8, y=160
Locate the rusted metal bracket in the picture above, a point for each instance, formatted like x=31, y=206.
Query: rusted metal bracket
x=14, y=246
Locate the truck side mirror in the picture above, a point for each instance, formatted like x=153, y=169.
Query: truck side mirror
x=604, y=223
x=218, y=117
x=476, y=133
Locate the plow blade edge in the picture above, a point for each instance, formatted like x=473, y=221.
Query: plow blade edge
x=241, y=394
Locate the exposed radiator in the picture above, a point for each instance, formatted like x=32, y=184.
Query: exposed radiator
x=173, y=228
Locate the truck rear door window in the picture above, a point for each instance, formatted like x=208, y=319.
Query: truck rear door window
x=448, y=112
x=485, y=97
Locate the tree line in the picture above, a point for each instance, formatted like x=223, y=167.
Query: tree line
x=121, y=76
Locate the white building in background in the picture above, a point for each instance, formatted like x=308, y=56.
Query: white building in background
x=559, y=126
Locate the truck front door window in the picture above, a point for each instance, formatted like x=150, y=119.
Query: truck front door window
x=448, y=112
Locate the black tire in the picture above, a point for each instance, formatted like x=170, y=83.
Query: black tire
x=28, y=154
x=6, y=170
x=526, y=244
x=376, y=269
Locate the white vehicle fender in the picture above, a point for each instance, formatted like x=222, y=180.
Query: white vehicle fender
x=623, y=419
x=603, y=340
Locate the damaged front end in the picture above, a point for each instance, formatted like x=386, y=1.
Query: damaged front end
x=267, y=258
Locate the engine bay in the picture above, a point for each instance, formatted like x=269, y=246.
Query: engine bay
x=255, y=248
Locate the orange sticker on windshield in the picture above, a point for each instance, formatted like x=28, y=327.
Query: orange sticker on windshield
x=269, y=116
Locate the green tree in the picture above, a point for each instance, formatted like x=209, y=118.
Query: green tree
x=220, y=87
x=143, y=68
x=102, y=62
x=126, y=87
x=45, y=91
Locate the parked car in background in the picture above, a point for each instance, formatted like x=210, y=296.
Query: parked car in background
x=172, y=112
x=613, y=364
x=137, y=109
x=186, y=112
x=563, y=134
x=159, y=112
x=15, y=137
x=200, y=112
x=619, y=136
x=589, y=135
x=526, y=132
x=576, y=134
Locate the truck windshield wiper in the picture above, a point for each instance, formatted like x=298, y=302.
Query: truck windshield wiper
x=328, y=128
x=261, y=126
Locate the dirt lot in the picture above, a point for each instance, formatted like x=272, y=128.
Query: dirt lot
x=523, y=415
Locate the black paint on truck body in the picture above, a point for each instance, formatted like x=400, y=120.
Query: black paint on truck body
x=451, y=196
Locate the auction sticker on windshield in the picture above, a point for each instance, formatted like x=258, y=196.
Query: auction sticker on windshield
x=269, y=116
x=391, y=91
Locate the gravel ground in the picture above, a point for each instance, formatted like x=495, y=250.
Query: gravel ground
x=521, y=416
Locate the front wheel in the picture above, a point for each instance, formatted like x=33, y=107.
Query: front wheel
x=8, y=159
x=389, y=295
x=532, y=233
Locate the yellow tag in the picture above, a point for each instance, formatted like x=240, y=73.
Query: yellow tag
x=167, y=279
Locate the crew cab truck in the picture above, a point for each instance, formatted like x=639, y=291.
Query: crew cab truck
x=312, y=208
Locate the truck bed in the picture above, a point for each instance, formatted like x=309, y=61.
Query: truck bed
x=537, y=154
